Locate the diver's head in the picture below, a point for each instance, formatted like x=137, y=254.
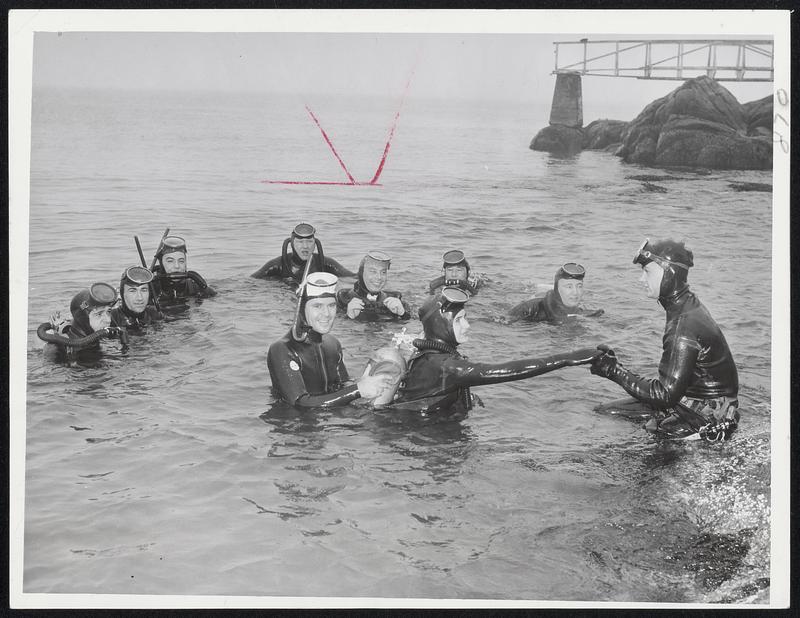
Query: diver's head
x=90, y=308
x=443, y=316
x=171, y=255
x=373, y=271
x=318, y=302
x=455, y=266
x=303, y=240
x=568, y=284
x=134, y=289
x=665, y=266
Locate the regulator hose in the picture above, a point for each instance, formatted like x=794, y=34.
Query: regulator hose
x=110, y=332
x=435, y=344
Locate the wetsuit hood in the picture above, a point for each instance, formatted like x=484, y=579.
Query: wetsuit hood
x=673, y=258
x=438, y=312
x=133, y=276
x=454, y=257
x=99, y=295
x=374, y=256
x=570, y=270
x=318, y=285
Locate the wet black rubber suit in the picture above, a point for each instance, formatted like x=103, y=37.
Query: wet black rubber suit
x=176, y=288
x=374, y=309
x=290, y=268
x=440, y=378
x=697, y=381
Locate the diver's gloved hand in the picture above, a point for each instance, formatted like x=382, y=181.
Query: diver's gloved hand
x=395, y=305
x=354, y=307
x=582, y=356
x=606, y=365
x=58, y=323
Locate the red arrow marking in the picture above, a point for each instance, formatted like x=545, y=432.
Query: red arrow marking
x=353, y=182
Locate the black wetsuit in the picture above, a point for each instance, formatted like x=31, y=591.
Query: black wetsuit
x=291, y=268
x=471, y=285
x=122, y=316
x=439, y=378
x=171, y=290
x=310, y=373
x=374, y=309
x=697, y=372
x=548, y=308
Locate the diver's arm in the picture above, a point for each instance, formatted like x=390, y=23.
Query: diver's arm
x=333, y=267
x=475, y=374
x=269, y=270
x=675, y=371
x=201, y=288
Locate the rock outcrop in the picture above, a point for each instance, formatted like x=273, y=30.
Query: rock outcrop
x=601, y=134
x=699, y=124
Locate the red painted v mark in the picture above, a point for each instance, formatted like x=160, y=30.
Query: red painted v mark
x=351, y=181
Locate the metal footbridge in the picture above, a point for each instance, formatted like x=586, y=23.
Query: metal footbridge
x=741, y=60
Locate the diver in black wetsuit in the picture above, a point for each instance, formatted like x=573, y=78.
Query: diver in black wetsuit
x=306, y=365
x=134, y=310
x=290, y=266
x=697, y=385
x=367, y=301
x=560, y=303
x=91, y=321
x=439, y=378
x=456, y=273
x=174, y=284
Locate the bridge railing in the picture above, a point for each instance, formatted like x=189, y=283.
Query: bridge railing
x=742, y=60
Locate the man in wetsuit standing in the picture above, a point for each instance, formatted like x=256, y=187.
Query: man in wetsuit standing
x=368, y=301
x=290, y=266
x=697, y=385
x=306, y=364
x=439, y=377
x=560, y=303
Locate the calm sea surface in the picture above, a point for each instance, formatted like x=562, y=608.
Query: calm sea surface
x=169, y=470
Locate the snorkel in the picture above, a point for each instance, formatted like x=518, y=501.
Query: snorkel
x=299, y=334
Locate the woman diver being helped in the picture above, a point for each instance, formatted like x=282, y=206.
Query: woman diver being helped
x=439, y=378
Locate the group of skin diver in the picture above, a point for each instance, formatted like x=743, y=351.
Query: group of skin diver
x=693, y=397
x=145, y=295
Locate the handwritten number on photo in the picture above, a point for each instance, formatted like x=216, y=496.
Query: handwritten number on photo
x=783, y=100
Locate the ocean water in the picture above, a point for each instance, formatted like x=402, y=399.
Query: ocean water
x=169, y=469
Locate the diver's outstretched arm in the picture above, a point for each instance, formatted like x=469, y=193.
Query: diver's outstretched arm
x=475, y=374
x=663, y=392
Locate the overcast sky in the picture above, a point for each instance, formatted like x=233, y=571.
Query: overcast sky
x=515, y=67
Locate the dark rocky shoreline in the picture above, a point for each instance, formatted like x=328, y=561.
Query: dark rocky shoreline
x=700, y=124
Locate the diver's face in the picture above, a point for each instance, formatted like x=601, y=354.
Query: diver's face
x=457, y=272
x=652, y=274
x=321, y=314
x=375, y=275
x=135, y=297
x=303, y=247
x=174, y=262
x=461, y=327
x=99, y=317
x=570, y=291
